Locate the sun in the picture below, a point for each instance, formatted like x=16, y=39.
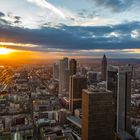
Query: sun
x=4, y=51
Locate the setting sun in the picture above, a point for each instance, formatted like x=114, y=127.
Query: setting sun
x=5, y=51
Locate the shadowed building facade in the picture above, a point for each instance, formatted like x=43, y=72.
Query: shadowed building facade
x=55, y=71
x=119, y=82
x=63, y=67
x=98, y=117
x=77, y=83
x=73, y=66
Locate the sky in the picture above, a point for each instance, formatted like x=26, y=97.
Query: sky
x=74, y=28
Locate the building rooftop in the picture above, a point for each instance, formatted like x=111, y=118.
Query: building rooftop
x=96, y=89
x=125, y=68
x=78, y=76
x=65, y=137
x=75, y=120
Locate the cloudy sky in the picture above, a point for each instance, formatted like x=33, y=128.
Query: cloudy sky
x=75, y=28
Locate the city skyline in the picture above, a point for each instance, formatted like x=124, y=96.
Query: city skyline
x=70, y=100
x=51, y=29
x=69, y=69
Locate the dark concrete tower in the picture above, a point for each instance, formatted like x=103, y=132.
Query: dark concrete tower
x=63, y=67
x=73, y=66
x=104, y=68
x=77, y=83
x=119, y=82
x=97, y=114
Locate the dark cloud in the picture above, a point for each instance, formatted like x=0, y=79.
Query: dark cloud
x=4, y=22
x=74, y=37
x=17, y=21
x=84, y=13
x=117, y=5
x=17, y=17
x=2, y=14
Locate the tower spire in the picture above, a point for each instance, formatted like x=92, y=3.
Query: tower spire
x=104, y=68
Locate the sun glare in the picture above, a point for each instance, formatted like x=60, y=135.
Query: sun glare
x=5, y=51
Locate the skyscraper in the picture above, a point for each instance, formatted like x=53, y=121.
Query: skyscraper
x=97, y=118
x=55, y=71
x=66, y=79
x=92, y=77
x=63, y=67
x=104, y=68
x=77, y=83
x=73, y=66
x=119, y=82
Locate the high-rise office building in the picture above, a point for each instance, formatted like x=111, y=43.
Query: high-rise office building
x=119, y=82
x=63, y=67
x=84, y=71
x=112, y=84
x=77, y=83
x=92, y=77
x=97, y=115
x=66, y=79
x=104, y=68
x=73, y=66
x=55, y=71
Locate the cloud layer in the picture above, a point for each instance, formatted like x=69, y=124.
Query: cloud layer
x=122, y=36
x=117, y=5
x=92, y=27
